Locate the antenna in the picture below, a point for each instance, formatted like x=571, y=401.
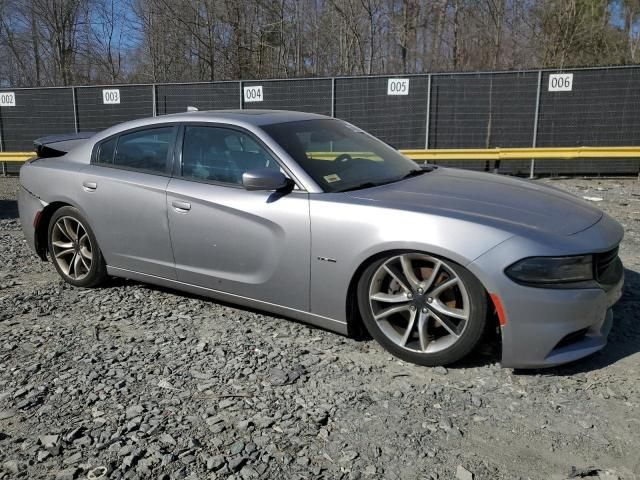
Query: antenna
x=192, y=109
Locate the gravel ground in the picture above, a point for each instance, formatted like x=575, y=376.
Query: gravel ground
x=131, y=381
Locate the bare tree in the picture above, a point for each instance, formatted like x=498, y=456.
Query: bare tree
x=61, y=21
x=60, y=42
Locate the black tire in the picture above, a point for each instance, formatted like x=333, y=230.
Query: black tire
x=91, y=277
x=467, y=341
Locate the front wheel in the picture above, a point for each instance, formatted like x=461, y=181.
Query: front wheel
x=74, y=249
x=423, y=309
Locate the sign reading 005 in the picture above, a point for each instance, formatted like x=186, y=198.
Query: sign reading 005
x=398, y=86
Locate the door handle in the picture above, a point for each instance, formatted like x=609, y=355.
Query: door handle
x=182, y=207
x=89, y=186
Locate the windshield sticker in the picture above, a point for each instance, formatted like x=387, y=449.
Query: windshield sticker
x=332, y=178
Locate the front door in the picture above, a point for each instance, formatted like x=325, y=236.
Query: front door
x=249, y=243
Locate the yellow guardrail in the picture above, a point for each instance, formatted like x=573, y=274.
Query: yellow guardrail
x=448, y=154
x=561, y=153
x=13, y=157
x=444, y=154
x=16, y=156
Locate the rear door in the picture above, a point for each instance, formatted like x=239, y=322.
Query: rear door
x=124, y=198
x=249, y=243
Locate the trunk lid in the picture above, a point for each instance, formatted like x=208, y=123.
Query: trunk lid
x=58, y=145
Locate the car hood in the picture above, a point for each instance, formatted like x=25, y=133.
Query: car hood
x=487, y=198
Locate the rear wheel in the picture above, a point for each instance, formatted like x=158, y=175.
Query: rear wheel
x=423, y=309
x=74, y=249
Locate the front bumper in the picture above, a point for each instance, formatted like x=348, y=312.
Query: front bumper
x=550, y=327
x=545, y=327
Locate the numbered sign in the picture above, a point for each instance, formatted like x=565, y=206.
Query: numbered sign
x=561, y=82
x=111, y=96
x=7, y=99
x=253, y=93
x=398, y=86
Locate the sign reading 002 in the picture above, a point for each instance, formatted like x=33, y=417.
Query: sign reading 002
x=253, y=93
x=111, y=96
x=7, y=99
x=398, y=86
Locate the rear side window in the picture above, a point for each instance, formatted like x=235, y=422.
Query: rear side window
x=145, y=150
x=106, y=151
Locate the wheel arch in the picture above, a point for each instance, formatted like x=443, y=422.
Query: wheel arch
x=355, y=325
x=42, y=227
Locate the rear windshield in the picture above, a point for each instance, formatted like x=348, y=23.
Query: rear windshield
x=339, y=156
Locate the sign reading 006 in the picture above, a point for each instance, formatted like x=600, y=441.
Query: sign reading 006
x=560, y=82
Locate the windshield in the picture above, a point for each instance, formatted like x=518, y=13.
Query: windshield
x=339, y=156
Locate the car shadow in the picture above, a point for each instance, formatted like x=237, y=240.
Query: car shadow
x=623, y=341
x=114, y=282
x=8, y=209
x=624, y=338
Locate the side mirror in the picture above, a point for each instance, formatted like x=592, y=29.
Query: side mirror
x=265, y=179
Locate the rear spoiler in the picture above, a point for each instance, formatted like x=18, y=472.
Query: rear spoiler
x=58, y=145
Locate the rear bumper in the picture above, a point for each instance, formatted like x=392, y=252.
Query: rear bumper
x=29, y=206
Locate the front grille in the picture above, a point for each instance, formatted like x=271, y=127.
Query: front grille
x=571, y=338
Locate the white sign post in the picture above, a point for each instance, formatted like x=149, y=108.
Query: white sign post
x=398, y=86
x=7, y=99
x=111, y=96
x=253, y=94
x=560, y=82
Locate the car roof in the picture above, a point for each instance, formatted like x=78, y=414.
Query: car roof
x=252, y=117
x=241, y=118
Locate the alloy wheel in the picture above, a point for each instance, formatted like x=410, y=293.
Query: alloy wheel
x=419, y=302
x=71, y=246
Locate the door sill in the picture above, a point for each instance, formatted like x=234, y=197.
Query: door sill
x=307, y=317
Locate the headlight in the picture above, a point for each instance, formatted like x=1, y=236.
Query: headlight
x=540, y=271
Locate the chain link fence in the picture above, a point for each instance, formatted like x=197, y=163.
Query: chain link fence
x=542, y=108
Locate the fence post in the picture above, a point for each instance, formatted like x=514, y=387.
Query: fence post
x=4, y=164
x=75, y=109
x=241, y=83
x=535, y=125
x=333, y=96
x=154, y=109
x=428, y=122
x=1, y=138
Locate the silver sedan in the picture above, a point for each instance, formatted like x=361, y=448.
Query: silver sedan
x=312, y=218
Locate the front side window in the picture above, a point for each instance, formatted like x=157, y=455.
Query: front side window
x=339, y=156
x=145, y=150
x=221, y=155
